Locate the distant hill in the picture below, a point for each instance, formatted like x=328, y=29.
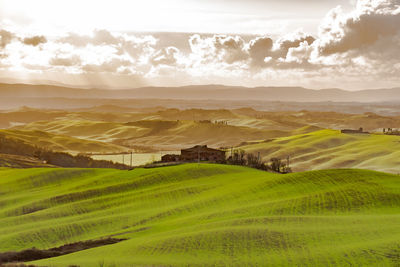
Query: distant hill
x=266, y=120
x=20, y=150
x=60, y=142
x=203, y=92
x=155, y=134
x=172, y=129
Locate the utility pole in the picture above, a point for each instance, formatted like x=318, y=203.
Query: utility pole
x=131, y=158
x=123, y=158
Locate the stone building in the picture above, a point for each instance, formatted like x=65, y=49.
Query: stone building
x=350, y=131
x=196, y=153
x=202, y=153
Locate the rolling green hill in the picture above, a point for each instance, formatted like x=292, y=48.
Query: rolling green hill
x=204, y=215
x=328, y=149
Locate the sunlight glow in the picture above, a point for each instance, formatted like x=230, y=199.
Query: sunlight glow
x=160, y=15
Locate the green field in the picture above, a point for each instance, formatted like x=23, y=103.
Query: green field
x=330, y=149
x=204, y=215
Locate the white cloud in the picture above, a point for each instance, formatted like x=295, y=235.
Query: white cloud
x=371, y=21
x=165, y=56
x=218, y=48
x=67, y=61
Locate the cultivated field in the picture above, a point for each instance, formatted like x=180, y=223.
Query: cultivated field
x=204, y=215
x=328, y=149
x=57, y=142
x=156, y=134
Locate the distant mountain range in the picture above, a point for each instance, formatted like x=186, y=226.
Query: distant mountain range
x=203, y=92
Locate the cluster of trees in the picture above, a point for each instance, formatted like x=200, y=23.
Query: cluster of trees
x=61, y=159
x=204, y=121
x=240, y=157
x=391, y=131
x=215, y=122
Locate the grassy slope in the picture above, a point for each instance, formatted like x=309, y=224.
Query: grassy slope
x=204, y=215
x=60, y=142
x=327, y=149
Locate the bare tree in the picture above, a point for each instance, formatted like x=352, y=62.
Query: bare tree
x=276, y=164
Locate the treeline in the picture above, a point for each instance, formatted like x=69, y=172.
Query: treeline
x=215, y=122
x=17, y=147
x=240, y=157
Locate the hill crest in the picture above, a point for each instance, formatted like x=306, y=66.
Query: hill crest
x=204, y=92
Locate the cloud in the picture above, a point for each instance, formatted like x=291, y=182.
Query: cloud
x=362, y=44
x=68, y=61
x=223, y=48
x=229, y=48
x=135, y=46
x=298, y=56
x=98, y=37
x=5, y=38
x=259, y=49
x=259, y=52
x=35, y=40
x=114, y=65
x=364, y=41
x=293, y=40
x=371, y=21
x=165, y=56
x=107, y=52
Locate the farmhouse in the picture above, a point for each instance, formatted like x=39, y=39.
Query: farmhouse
x=170, y=158
x=202, y=153
x=196, y=153
x=350, y=131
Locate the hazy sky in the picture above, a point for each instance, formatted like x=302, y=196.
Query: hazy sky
x=201, y=16
x=119, y=43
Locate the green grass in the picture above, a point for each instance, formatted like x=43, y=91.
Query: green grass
x=330, y=149
x=204, y=215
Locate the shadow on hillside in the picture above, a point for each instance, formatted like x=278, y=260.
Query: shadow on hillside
x=37, y=254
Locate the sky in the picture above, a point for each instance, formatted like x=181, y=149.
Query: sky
x=317, y=44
